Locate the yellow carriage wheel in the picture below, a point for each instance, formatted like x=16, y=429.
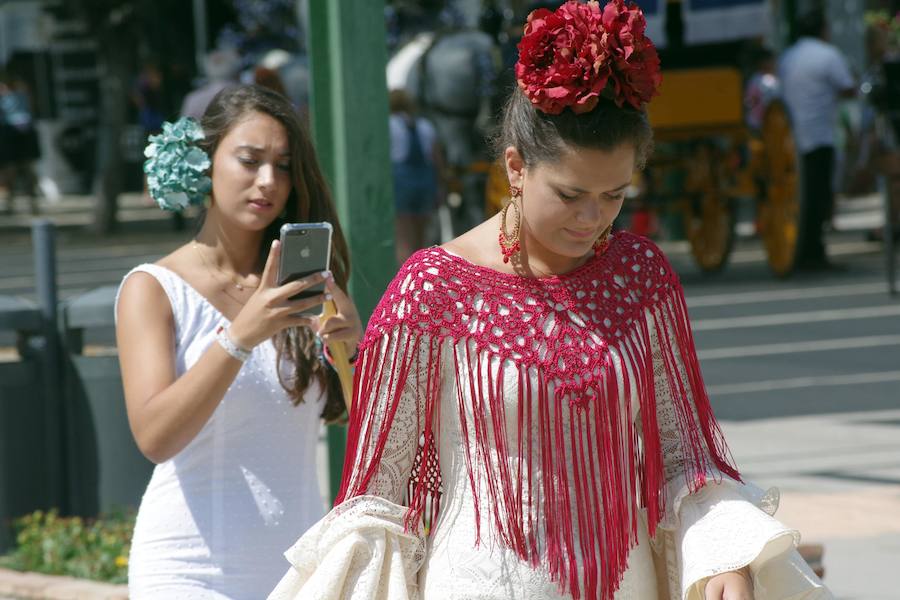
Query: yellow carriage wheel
x=779, y=217
x=708, y=211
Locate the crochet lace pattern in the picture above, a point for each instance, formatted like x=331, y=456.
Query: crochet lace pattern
x=566, y=474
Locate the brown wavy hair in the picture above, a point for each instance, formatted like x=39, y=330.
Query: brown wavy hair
x=309, y=201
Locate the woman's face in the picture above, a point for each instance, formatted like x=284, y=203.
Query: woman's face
x=567, y=204
x=251, y=174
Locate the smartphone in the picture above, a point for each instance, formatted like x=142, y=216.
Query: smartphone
x=305, y=250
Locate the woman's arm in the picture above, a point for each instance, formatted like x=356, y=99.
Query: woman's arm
x=165, y=413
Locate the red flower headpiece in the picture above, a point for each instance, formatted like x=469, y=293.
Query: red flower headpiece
x=569, y=56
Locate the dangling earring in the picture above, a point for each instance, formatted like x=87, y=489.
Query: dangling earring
x=509, y=244
x=602, y=242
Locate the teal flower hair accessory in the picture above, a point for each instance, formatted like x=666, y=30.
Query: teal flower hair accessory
x=176, y=167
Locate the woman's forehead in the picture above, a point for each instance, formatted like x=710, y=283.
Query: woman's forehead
x=590, y=169
x=259, y=131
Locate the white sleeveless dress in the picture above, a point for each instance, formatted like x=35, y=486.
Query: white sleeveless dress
x=216, y=518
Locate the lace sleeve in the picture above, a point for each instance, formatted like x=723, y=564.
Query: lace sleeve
x=390, y=420
x=372, y=544
x=677, y=464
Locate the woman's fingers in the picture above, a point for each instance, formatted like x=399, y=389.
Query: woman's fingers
x=342, y=301
x=270, y=271
x=292, y=307
x=296, y=321
x=347, y=334
x=293, y=288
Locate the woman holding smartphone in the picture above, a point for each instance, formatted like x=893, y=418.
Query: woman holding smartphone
x=222, y=373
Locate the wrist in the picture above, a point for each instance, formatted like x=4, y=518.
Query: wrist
x=230, y=346
x=240, y=339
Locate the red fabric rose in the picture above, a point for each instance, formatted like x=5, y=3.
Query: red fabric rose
x=567, y=57
x=635, y=63
x=562, y=60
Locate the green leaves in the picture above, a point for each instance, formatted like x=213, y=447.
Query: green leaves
x=93, y=549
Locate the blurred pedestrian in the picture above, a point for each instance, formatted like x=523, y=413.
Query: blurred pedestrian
x=221, y=68
x=449, y=70
x=417, y=163
x=147, y=96
x=224, y=381
x=19, y=144
x=269, y=78
x=762, y=87
x=814, y=76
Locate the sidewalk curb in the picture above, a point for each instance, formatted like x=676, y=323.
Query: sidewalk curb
x=15, y=585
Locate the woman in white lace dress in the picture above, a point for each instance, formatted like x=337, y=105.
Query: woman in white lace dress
x=222, y=379
x=529, y=419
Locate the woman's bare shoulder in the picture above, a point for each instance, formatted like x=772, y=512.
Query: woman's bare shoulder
x=476, y=244
x=144, y=294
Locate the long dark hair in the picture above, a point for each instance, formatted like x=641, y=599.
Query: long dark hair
x=308, y=201
x=540, y=137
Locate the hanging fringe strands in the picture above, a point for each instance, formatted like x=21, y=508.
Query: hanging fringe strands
x=562, y=469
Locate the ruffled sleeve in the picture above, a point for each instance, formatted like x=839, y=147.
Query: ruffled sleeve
x=711, y=521
x=728, y=526
x=372, y=544
x=359, y=550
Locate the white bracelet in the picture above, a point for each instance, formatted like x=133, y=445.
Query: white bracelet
x=230, y=347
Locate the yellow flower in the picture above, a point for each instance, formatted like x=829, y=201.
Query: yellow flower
x=121, y=561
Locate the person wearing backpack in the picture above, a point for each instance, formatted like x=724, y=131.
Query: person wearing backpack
x=416, y=161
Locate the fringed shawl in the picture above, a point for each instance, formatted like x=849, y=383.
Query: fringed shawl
x=590, y=468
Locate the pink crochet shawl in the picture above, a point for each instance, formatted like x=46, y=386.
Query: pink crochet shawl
x=590, y=467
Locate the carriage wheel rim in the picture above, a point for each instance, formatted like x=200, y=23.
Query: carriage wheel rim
x=782, y=209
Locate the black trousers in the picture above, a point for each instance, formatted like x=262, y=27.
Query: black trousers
x=818, y=200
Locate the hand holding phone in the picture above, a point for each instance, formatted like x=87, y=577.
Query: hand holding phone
x=293, y=287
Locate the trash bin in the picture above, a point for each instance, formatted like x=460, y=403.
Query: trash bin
x=108, y=471
x=23, y=452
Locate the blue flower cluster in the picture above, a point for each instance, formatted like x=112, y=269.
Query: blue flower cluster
x=176, y=168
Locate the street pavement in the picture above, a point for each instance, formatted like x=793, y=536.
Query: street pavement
x=804, y=373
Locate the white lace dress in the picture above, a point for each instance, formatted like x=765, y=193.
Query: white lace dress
x=361, y=549
x=216, y=517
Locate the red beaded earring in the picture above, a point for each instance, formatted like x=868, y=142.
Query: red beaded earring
x=602, y=242
x=509, y=244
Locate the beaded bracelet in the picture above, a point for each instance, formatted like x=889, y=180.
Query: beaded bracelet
x=229, y=346
x=330, y=360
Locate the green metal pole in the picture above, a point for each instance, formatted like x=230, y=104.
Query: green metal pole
x=349, y=110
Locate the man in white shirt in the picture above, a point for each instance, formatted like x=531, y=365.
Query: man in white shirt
x=814, y=76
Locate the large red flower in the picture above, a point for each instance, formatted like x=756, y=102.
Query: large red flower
x=568, y=57
x=562, y=60
x=635, y=63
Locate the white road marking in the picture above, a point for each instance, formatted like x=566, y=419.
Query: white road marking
x=831, y=291
x=803, y=382
x=871, y=341
x=796, y=318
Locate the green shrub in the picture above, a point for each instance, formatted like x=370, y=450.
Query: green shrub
x=89, y=549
